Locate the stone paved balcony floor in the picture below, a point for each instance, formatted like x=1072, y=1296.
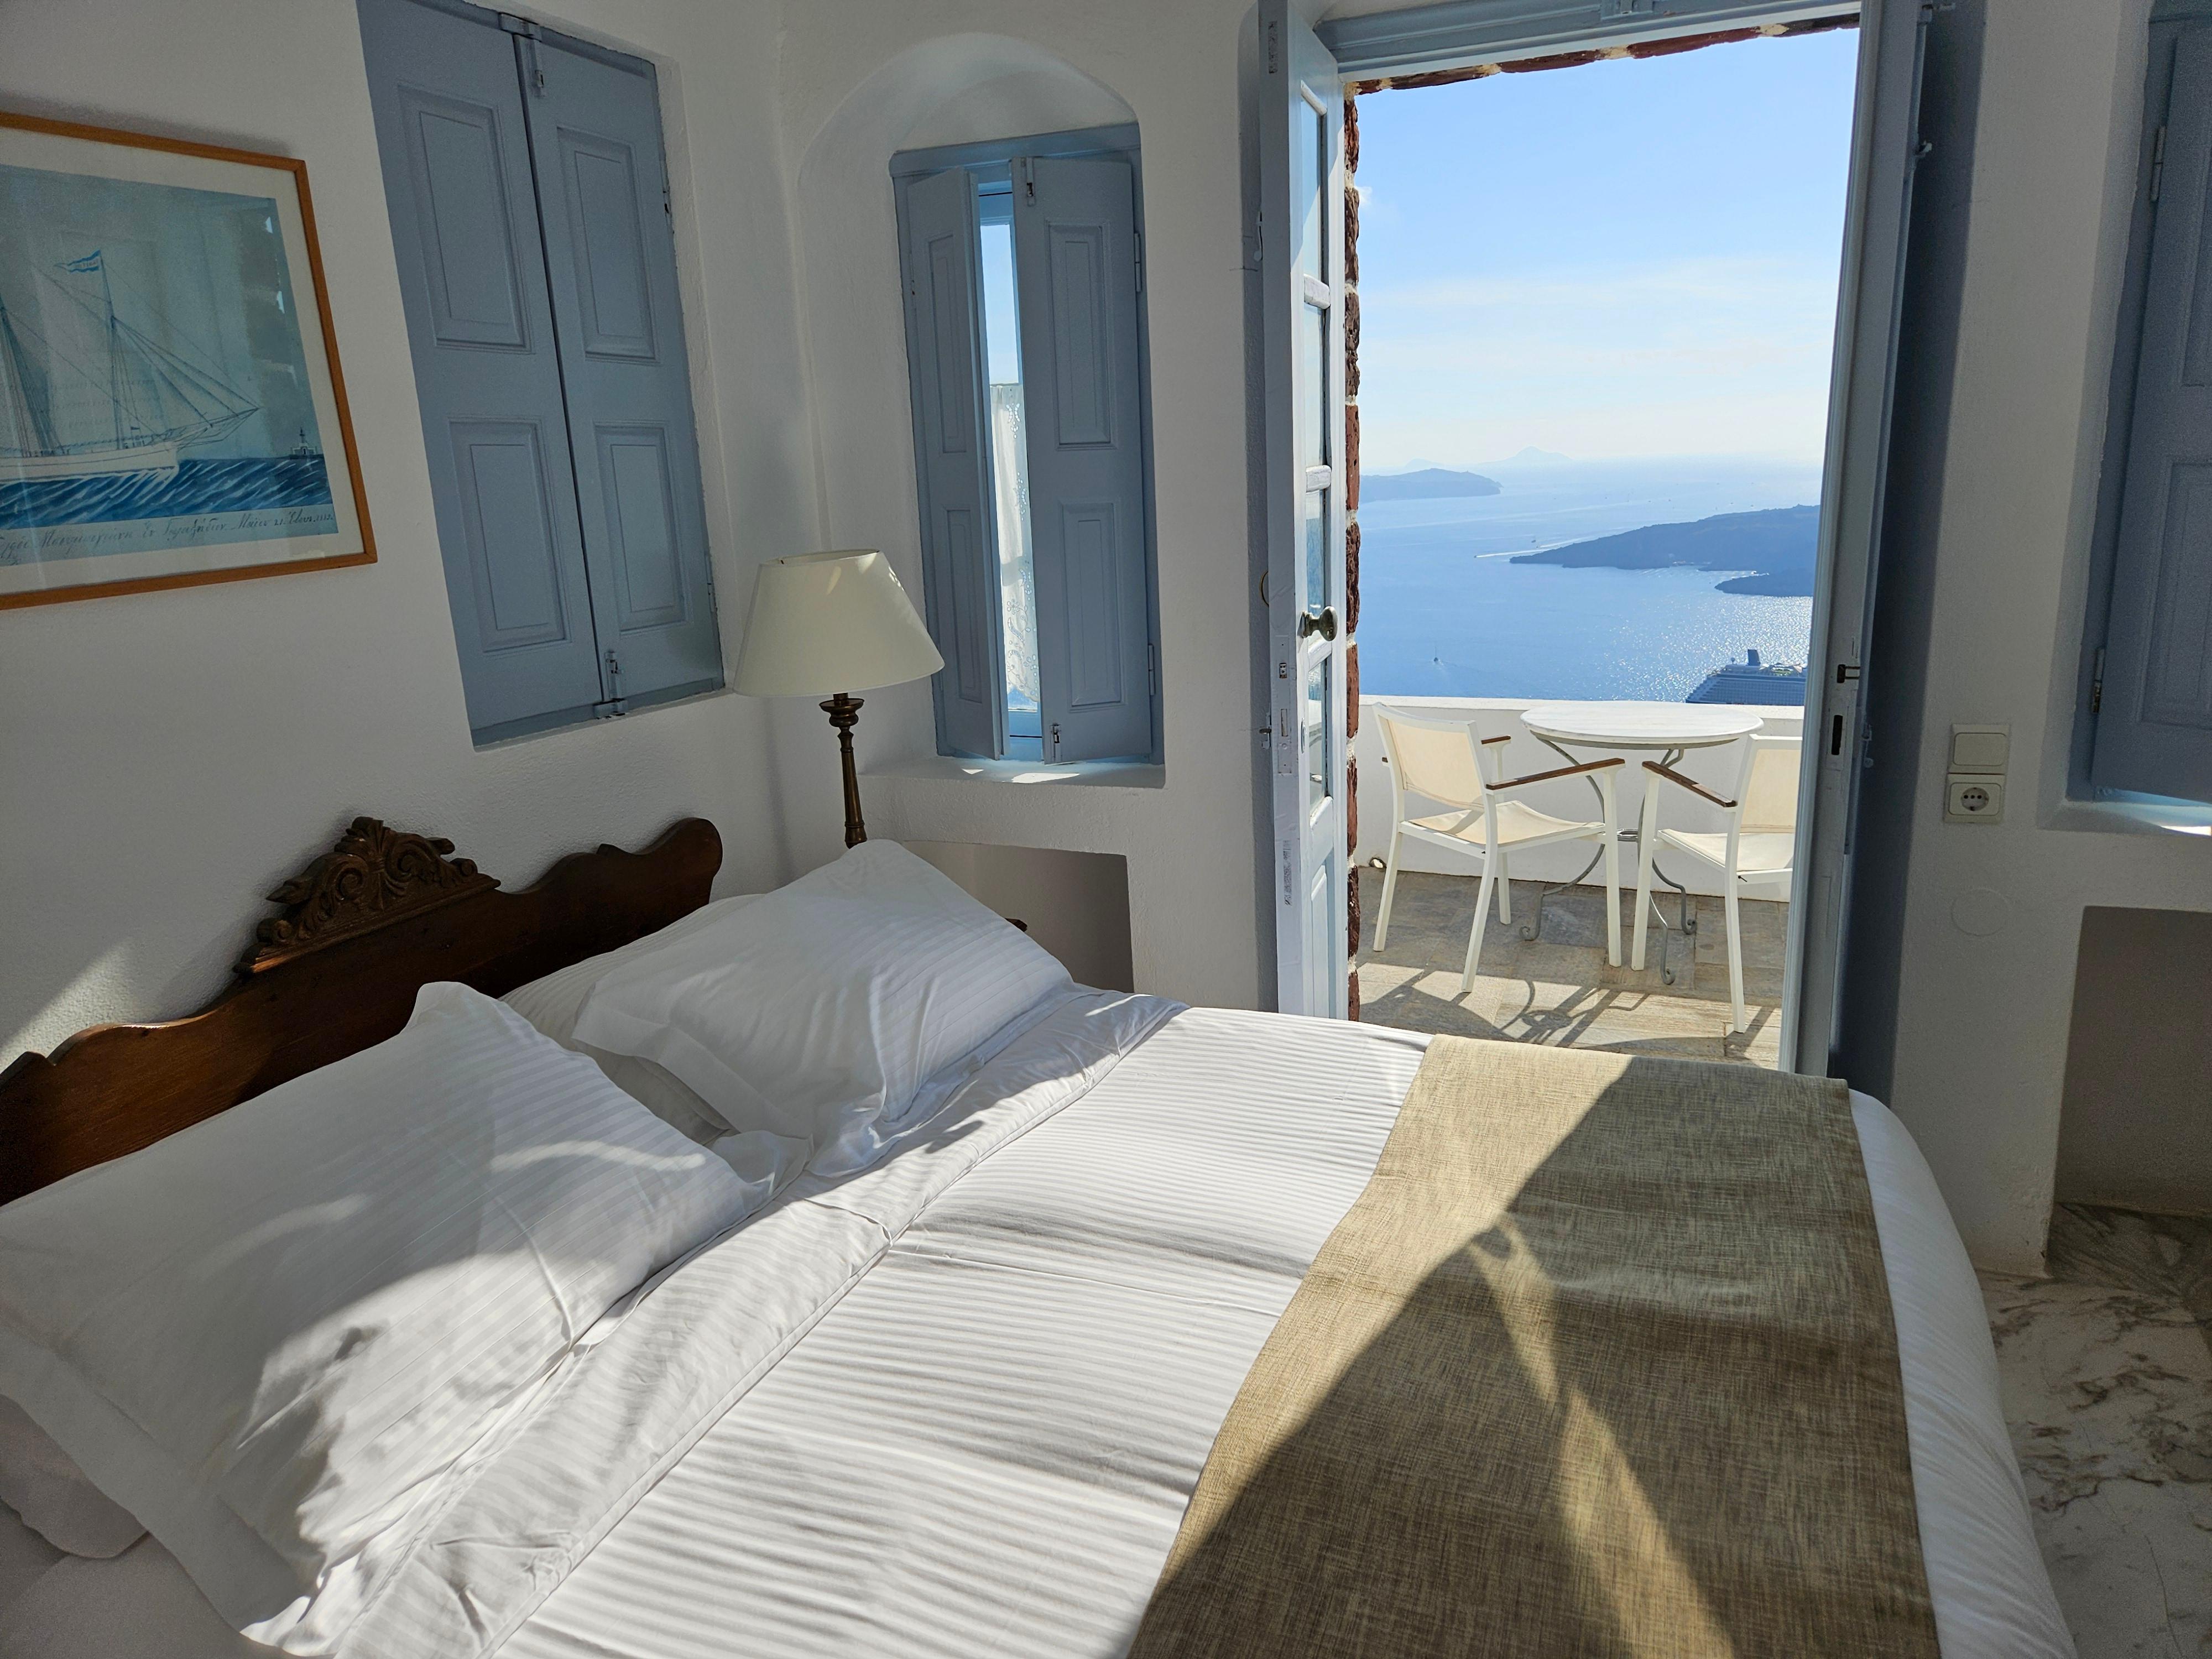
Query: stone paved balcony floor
x=1557, y=988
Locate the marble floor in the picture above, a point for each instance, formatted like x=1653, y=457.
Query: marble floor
x=1557, y=988
x=2106, y=1368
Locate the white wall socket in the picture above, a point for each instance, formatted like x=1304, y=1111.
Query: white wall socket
x=1970, y=798
x=1974, y=787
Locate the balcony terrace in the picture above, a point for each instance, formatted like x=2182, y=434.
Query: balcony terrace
x=1557, y=988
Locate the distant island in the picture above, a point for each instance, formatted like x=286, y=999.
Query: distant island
x=1777, y=546
x=1427, y=484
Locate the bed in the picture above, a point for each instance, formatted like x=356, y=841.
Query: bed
x=953, y=1398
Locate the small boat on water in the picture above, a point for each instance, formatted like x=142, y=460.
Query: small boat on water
x=1774, y=685
x=130, y=411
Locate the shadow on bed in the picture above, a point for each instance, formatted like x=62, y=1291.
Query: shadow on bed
x=1642, y=1401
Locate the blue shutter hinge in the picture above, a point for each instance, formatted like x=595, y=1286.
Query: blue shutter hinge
x=616, y=705
x=1055, y=740
x=2158, y=162
x=1029, y=177
x=2097, y=682
x=1152, y=667
x=532, y=70
x=1138, y=240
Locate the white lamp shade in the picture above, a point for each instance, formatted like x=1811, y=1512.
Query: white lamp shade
x=825, y=622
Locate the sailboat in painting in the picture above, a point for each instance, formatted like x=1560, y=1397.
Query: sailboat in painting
x=129, y=409
x=163, y=339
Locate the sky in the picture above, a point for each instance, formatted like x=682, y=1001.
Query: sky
x=1629, y=258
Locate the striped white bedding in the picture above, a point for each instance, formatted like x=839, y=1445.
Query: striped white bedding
x=971, y=1389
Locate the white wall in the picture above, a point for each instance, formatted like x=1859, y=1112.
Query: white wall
x=863, y=80
x=2137, y=1126
x=166, y=757
x=1981, y=1043
x=162, y=758
x=1981, y=1038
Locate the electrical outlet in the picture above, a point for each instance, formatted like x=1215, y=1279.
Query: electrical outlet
x=1973, y=798
x=1974, y=787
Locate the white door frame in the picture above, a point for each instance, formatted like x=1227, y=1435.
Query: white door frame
x=1301, y=265
x=1885, y=140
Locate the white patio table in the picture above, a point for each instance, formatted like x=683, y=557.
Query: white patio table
x=1669, y=729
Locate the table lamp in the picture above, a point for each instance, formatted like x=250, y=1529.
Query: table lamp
x=834, y=623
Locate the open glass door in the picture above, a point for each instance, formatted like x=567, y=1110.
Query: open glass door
x=1301, y=261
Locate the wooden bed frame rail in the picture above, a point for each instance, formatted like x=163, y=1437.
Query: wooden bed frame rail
x=364, y=928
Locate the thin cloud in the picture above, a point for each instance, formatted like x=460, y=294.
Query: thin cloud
x=1728, y=354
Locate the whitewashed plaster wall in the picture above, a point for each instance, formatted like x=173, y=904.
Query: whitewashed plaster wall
x=862, y=81
x=1993, y=913
x=165, y=758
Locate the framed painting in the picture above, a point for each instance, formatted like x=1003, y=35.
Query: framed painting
x=170, y=408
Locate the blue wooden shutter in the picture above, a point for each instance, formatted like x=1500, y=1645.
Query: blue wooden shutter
x=457, y=173
x=944, y=344
x=611, y=257
x=1075, y=258
x=2155, y=723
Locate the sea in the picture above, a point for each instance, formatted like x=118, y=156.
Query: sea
x=196, y=487
x=1444, y=611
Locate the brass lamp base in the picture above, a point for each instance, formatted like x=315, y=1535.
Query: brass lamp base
x=844, y=713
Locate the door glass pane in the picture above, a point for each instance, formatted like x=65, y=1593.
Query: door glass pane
x=1312, y=551
x=1010, y=480
x=1316, y=731
x=1310, y=164
x=1313, y=386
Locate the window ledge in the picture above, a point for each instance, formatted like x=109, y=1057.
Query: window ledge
x=1087, y=774
x=2131, y=818
x=554, y=726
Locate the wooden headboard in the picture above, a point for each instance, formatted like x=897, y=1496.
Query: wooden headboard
x=363, y=927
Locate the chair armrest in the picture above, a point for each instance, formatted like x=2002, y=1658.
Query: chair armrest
x=1486, y=743
x=1694, y=788
x=1558, y=772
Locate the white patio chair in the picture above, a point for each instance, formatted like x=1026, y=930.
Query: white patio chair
x=1451, y=762
x=1755, y=854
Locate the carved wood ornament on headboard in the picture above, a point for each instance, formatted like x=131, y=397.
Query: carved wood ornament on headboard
x=364, y=926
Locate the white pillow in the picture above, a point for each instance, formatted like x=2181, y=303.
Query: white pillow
x=817, y=1011
x=553, y=1003
x=269, y=1335
x=50, y=1495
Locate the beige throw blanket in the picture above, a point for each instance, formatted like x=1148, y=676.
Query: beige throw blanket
x=1599, y=1364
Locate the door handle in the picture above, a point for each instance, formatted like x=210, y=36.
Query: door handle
x=1324, y=624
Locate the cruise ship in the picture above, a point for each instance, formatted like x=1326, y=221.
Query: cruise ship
x=1752, y=681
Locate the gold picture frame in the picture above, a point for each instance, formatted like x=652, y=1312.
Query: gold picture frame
x=164, y=332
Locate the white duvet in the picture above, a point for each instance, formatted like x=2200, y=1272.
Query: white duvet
x=955, y=1405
